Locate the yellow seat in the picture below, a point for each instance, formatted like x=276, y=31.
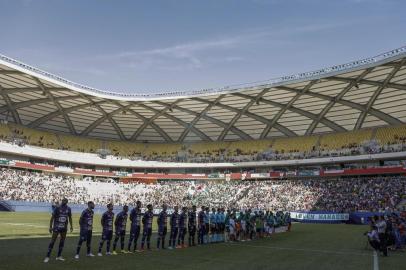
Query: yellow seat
x=294, y=144
x=248, y=147
x=391, y=135
x=36, y=137
x=161, y=150
x=80, y=144
x=337, y=141
x=5, y=133
x=206, y=149
x=125, y=149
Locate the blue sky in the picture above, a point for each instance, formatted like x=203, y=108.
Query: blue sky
x=157, y=46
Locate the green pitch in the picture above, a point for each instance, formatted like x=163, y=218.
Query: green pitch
x=24, y=240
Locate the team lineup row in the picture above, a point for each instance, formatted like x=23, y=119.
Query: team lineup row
x=209, y=227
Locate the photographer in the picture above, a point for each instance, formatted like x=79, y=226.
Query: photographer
x=373, y=238
x=381, y=227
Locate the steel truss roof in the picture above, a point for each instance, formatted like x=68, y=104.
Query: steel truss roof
x=362, y=94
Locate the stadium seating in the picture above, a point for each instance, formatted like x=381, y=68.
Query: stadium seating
x=298, y=144
x=391, y=135
x=248, y=147
x=337, y=141
x=5, y=132
x=161, y=150
x=340, y=195
x=206, y=149
x=79, y=144
x=36, y=137
x=125, y=149
x=344, y=143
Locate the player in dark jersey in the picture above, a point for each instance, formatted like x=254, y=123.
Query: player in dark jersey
x=147, y=230
x=213, y=225
x=86, y=228
x=201, y=226
x=162, y=227
x=217, y=217
x=206, y=238
x=182, y=227
x=222, y=224
x=288, y=221
x=120, y=224
x=174, y=222
x=107, y=226
x=227, y=225
x=251, y=218
x=192, y=226
x=58, y=225
x=135, y=218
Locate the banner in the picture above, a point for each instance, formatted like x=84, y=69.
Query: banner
x=259, y=175
x=216, y=175
x=319, y=217
x=4, y=162
x=277, y=174
x=291, y=173
x=64, y=169
x=334, y=172
x=120, y=173
x=309, y=173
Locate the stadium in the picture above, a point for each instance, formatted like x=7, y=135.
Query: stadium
x=307, y=170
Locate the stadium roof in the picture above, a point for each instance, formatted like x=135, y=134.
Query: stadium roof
x=361, y=94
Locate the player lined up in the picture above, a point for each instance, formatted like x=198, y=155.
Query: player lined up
x=217, y=226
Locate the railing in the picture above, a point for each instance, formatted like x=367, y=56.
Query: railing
x=230, y=88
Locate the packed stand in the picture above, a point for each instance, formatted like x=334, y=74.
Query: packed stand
x=342, y=195
x=384, y=140
x=39, y=187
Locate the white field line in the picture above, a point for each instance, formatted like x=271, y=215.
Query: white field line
x=37, y=226
x=26, y=225
x=304, y=249
x=376, y=264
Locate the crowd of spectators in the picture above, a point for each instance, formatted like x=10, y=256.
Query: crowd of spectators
x=245, y=155
x=215, y=154
x=38, y=187
x=340, y=195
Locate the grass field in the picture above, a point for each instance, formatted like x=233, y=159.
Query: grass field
x=24, y=240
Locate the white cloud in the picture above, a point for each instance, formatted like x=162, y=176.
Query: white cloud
x=198, y=54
